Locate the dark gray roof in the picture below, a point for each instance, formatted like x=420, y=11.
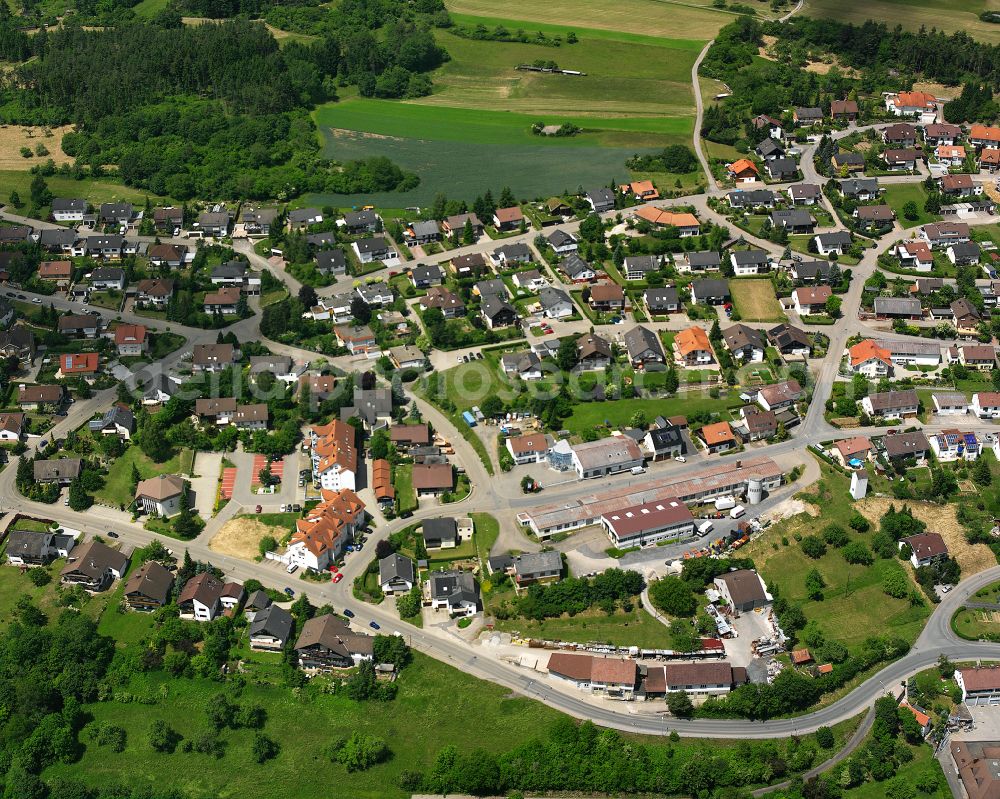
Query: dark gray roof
x=258, y=600
x=573, y=264
x=639, y=339
x=965, y=249
x=440, y=529
x=666, y=437
x=769, y=146
x=395, y=567
x=272, y=621
x=375, y=244
x=795, y=217
x=753, y=197
x=811, y=270
x=641, y=263
x=710, y=288
x=27, y=544
x=858, y=186
x=704, y=259
x=354, y=218
x=331, y=259
x=661, y=297
x=231, y=269
x=298, y=215
x=782, y=166
x=492, y=306
x=841, y=237
x=747, y=258
x=67, y=204
x=455, y=586
x=559, y=237
x=59, y=468
x=530, y=564
x=551, y=297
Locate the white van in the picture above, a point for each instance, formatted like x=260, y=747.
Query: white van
x=291, y=568
x=638, y=470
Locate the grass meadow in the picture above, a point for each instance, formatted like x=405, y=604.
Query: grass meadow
x=853, y=606
x=756, y=301
x=694, y=20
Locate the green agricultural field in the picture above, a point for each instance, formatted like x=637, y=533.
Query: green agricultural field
x=946, y=15
x=622, y=78
x=896, y=195
x=694, y=20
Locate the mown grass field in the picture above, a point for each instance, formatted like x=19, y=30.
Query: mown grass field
x=646, y=17
x=635, y=628
x=623, y=78
x=588, y=415
x=756, y=301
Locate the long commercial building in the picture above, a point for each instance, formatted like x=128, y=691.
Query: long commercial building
x=729, y=478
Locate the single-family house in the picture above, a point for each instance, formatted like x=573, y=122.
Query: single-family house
x=93, y=566
x=327, y=642
x=718, y=437
x=891, y=404
x=810, y=300
x=692, y=347
x=749, y=262
x=396, y=574
x=744, y=343
x=644, y=347
x=836, y=242
x=661, y=301
x=148, y=587
x=457, y=592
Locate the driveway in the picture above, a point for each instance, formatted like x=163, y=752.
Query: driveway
x=207, y=466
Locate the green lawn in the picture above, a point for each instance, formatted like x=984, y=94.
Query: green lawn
x=406, y=497
x=636, y=628
x=487, y=531
x=854, y=606
x=975, y=624
x=589, y=415
x=117, y=488
x=896, y=195
x=923, y=762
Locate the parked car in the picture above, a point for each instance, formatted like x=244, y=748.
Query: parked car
x=289, y=592
x=259, y=509
x=349, y=613
x=374, y=625
x=113, y=534
x=338, y=577
x=296, y=508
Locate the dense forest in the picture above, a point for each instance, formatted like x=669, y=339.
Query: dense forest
x=215, y=110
